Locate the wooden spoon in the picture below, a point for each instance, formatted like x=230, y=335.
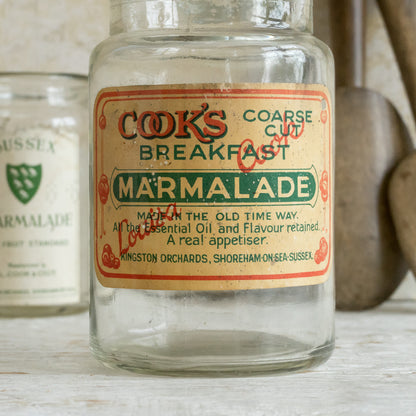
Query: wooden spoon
x=370, y=140
x=400, y=18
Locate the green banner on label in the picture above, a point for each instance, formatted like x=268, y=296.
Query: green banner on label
x=200, y=187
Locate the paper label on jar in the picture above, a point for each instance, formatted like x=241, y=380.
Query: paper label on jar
x=212, y=187
x=39, y=217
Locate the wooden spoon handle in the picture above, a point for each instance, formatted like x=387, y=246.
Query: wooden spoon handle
x=348, y=35
x=400, y=18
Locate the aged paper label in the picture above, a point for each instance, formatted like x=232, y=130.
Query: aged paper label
x=212, y=187
x=39, y=217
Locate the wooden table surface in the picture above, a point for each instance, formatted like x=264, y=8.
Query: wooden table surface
x=47, y=369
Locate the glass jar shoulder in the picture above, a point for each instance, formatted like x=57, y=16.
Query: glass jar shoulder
x=182, y=58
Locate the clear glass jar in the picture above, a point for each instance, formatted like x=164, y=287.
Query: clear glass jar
x=186, y=300
x=44, y=188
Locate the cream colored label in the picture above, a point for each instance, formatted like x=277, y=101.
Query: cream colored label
x=39, y=217
x=212, y=187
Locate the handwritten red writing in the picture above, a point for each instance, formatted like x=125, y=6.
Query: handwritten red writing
x=268, y=151
x=141, y=231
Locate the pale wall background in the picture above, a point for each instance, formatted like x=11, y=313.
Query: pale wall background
x=58, y=36
x=50, y=35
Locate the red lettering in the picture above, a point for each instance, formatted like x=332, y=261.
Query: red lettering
x=155, y=123
x=241, y=152
x=269, y=151
x=185, y=123
x=292, y=129
x=146, y=228
x=220, y=128
x=120, y=236
x=162, y=124
x=122, y=125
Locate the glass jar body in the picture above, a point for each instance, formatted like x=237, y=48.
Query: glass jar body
x=216, y=332
x=44, y=158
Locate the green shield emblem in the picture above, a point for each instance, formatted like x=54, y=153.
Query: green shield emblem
x=24, y=180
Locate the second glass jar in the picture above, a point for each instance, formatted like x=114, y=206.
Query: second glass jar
x=43, y=211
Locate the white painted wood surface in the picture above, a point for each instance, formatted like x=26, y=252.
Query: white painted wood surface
x=46, y=369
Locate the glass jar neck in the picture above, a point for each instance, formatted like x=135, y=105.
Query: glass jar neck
x=210, y=15
x=56, y=89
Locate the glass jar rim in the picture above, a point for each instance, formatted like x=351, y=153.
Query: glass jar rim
x=42, y=85
x=212, y=15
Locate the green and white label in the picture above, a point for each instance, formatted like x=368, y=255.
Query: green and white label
x=39, y=217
